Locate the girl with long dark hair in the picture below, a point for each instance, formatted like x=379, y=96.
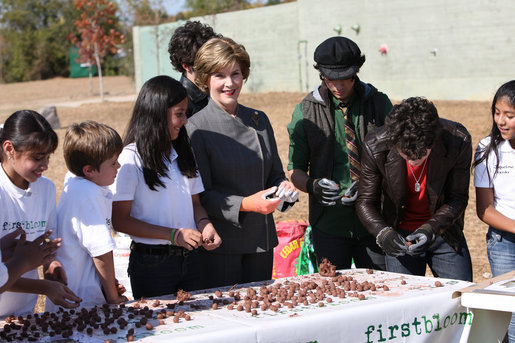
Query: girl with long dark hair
x=156, y=192
x=495, y=191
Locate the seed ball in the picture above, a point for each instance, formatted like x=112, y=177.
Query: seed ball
x=187, y=317
x=175, y=319
x=386, y=288
x=361, y=297
x=239, y=308
x=438, y=284
x=329, y=300
x=149, y=326
x=160, y=316
x=230, y=307
x=370, y=271
x=403, y=282
x=214, y=306
x=320, y=304
x=254, y=313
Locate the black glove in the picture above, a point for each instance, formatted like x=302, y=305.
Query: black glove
x=325, y=191
x=423, y=237
x=350, y=196
x=392, y=242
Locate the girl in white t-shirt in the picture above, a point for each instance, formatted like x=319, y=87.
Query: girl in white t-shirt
x=27, y=200
x=494, y=177
x=155, y=195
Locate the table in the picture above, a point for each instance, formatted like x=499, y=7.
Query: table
x=402, y=308
x=492, y=310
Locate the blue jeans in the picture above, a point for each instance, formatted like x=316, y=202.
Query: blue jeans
x=500, y=247
x=442, y=259
x=340, y=251
x=154, y=275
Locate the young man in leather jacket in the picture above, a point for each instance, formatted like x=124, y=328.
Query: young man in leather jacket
x=413, y=191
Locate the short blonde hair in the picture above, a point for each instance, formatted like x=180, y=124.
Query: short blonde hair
x=216, y=54
x=90, y=143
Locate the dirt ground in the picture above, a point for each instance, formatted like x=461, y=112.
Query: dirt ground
x=67, y=94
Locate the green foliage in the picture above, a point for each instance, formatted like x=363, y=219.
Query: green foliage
x=34, y=34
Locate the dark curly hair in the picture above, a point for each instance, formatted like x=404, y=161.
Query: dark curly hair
x=507, y=93
x=413, y=126
x=185, y=42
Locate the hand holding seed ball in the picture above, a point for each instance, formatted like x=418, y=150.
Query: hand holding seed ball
x=210, y=238
x=189, y=239
x=55, y=271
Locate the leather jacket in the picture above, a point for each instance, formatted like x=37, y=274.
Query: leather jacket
x=382, y=187
x=197, y=99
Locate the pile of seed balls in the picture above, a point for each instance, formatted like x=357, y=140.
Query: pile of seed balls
x=146, y=314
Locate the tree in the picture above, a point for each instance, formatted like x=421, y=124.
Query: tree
x=98, y=34
x=33, y=32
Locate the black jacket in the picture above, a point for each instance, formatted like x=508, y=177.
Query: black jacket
x=197, y=99
x=382, y=188
x=319, y=127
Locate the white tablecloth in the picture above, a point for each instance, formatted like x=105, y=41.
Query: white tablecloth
x=417, y=311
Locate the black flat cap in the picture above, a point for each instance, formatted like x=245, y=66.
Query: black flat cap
x=338, y=58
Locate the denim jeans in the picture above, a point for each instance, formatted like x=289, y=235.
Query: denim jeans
x=442, y=259
x=340, y=251
x=154, y=275
x=500, y=247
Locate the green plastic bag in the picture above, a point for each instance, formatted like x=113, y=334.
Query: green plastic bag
x=307, y=262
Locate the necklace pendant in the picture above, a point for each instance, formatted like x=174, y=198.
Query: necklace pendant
x=417, y=187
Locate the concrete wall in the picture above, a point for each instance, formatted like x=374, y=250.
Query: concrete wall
x=440, y=49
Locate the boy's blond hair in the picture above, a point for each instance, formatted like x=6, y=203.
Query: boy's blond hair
x=90, y=143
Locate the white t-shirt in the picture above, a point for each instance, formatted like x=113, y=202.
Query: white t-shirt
x=169, y=207
x=503, y=182
x=34, y=210
x=84, y=224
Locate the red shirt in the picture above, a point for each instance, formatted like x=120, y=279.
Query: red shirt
x=417, y=206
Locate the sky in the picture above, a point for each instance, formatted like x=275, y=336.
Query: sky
x=174, y=6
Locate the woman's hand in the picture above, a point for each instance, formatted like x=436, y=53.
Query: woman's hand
x=189, y=239
x=258, y=202
x=210, y=238
x=287, y=192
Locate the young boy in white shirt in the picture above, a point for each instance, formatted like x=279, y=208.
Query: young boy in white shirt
x=84, y=213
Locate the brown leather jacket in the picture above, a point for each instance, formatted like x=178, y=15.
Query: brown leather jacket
x=382, y=189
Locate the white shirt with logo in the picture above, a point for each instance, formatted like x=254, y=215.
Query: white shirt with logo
x=84, y=224
x=503, y=182
x=34, y=210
